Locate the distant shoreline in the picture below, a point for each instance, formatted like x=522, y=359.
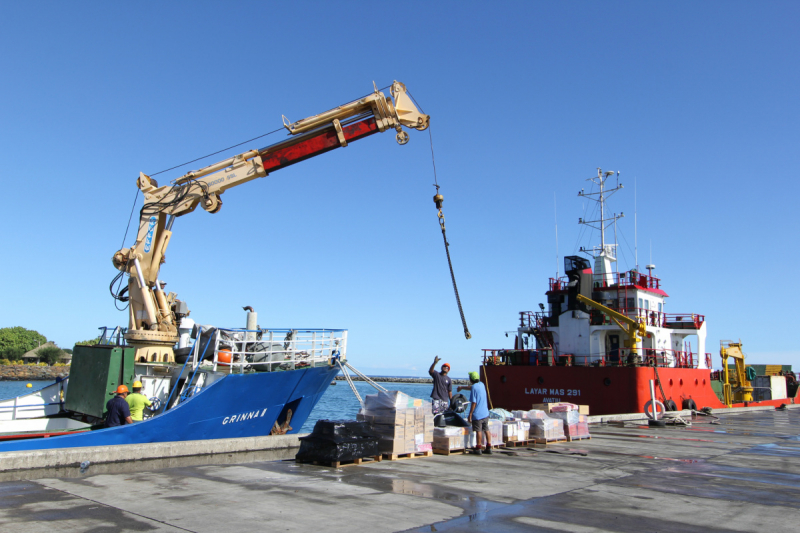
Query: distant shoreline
x=390, y=379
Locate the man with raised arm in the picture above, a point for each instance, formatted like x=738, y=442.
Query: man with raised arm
x=442, y=387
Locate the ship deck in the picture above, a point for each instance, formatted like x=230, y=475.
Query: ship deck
x=742, y=474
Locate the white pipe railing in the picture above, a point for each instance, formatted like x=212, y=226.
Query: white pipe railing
x=273, y=349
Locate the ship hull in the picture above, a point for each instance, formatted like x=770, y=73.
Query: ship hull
x=606, y=390
x=236, y=406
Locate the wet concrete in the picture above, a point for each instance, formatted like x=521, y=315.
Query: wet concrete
x=739, y=474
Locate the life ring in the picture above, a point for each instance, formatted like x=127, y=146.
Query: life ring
x=155, y=403
x=648, y=408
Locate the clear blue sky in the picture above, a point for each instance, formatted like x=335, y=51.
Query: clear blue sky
x=695, y=102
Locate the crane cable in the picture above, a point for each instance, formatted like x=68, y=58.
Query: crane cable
x=438, y=199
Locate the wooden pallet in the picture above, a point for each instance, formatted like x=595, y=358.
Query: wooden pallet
x=441, y=451
x=518, y=443
x=543, y=443
x=462, y=451
x=585, y=437
x=340, y=464
x=401, y=456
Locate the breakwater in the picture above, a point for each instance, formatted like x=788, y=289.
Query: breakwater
x=390, y=379
x=32, y=373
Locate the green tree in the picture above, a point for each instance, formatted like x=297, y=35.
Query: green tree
x=50, y=354
x=12, y=354
x=67, y=350
x=20, y=338
x=90, y=342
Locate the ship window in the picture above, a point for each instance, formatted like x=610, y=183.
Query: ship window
x=640, y=303
x=659, y=307
x=647, y=304
x=631, y=303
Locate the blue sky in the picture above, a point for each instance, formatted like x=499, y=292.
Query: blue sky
x=695, y=103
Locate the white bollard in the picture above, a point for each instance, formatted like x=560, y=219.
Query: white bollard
x=653, y=399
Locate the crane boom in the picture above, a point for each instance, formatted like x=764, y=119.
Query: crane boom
x=153, y=315
x=634, y=329
x=744, y=389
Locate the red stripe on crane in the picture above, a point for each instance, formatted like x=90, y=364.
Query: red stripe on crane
x=276, y=157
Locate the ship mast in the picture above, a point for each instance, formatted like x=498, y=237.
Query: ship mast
x=605, y=254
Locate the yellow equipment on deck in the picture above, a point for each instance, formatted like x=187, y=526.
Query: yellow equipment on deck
x=634, y=329
x=744, y=389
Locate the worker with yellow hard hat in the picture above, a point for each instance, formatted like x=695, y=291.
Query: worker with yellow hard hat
x=119, y=413
x=137, y=402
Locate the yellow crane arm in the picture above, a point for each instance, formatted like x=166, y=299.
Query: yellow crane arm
x=152, y=319
x=744, y=390
x=633, y=328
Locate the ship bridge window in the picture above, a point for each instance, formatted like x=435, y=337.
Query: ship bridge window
x=660, y=307
x=647, y=304
x=640, y=303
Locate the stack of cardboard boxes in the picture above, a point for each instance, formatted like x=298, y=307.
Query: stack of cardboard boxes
x=461, y=438
x=516, y=430
x=403, y=424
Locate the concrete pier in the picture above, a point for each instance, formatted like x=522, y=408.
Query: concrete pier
x=738, y=473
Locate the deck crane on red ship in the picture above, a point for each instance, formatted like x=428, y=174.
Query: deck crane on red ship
x=153, y=314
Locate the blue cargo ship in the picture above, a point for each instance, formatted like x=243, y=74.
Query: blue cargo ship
x=230, y=383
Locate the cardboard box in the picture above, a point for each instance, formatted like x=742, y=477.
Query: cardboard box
x=389, y=431
x=450, y=431
x=510, y=429
x=383, y=416
x=392, y=446
x=456, y=442
x=546, y=407
x=410, y=444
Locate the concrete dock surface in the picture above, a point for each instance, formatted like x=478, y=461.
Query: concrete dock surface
x=738, y=473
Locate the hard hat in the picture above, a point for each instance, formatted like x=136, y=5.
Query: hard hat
x=121, y=389
x=137, y=384
x=473, y=376
x=446, y=365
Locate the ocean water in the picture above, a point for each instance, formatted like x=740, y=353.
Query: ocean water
x=10, y=389
x=338, y=402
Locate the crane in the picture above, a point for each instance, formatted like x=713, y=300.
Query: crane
x=634, y=329
x=154, y=315
x=744, y=389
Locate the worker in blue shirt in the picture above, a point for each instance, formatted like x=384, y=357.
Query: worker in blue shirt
x=479, y=413
x=119, y=413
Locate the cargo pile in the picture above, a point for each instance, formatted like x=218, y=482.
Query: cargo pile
x=545, y=428
x=450, y=438
x=403, y=424
x=335, y=441
x=555, y=422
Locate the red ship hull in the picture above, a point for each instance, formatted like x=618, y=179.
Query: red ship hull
x=606, y=390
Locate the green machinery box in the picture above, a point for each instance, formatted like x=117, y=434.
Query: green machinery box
x=95, y=374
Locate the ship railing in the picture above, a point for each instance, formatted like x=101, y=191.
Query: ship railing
x=650, y=318
x=112, y=335
x=271, y=350
x=647, y=356
x=616, y=279
x=533, y=319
